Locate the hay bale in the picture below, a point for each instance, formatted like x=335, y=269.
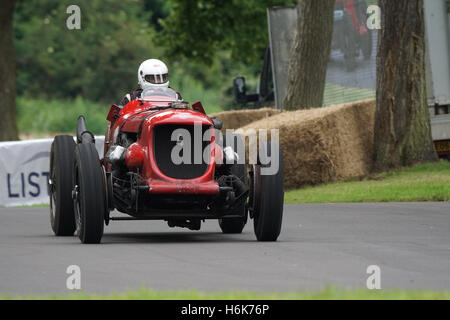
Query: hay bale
x=324, y=144
x=238, y=118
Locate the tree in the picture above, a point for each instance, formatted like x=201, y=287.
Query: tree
x=8, y=126
x=199, y=28
x=309, y=55
x=402, y=121
x=98, y=62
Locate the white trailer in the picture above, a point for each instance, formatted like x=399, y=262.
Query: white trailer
x=437, y=17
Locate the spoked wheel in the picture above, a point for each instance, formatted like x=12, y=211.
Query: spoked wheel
x=88, y=194
x=60, y=186
x=236, y=225
x=268, y=198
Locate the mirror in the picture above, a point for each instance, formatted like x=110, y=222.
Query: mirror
x=218, y=124
x=240, y=96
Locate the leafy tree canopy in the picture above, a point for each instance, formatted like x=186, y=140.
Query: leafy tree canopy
x=199, y=28
x=97, y=62
x=100, y=61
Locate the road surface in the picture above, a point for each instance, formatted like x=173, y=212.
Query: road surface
x=321, y=244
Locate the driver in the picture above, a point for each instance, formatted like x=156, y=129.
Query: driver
x=151, y=73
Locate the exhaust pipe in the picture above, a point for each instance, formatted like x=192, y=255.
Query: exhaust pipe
x=83, y=135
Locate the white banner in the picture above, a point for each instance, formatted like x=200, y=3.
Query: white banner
x=24, y=171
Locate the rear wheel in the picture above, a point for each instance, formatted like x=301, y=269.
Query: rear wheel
x=60, y=186
x=236, y=225
x=268, y=203
x=89, y=194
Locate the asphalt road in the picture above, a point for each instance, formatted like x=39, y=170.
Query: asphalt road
x=329, y=244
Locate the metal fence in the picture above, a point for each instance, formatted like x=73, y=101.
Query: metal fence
x=351, y=71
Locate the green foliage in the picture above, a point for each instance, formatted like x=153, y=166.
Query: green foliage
x=159, y=9
x=422, y=182
x=40, y=116
x=209, y=46
x=197, y=29
x=98, y=62
x=57, y=115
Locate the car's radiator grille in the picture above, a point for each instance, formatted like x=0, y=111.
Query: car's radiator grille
x=163, y=146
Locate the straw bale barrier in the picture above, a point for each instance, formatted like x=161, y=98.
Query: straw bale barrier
x=323, y=144
x=238, y=118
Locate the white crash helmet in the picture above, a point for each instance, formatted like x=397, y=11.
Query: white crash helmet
x=153, y=73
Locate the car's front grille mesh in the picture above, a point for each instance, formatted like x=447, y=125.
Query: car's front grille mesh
x=163, y=146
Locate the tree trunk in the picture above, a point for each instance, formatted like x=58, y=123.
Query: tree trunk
x=309, y=55
x=8, y=125
x=402, y=121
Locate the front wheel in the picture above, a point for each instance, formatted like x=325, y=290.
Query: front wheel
x=236, y=224
x=59, y=186
x=268, y=196
x=89, y=194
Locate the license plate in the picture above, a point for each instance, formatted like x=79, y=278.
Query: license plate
x=442, y=146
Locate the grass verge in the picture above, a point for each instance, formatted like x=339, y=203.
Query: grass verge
x=335, y=94
x=325, y=294
x=422, y=182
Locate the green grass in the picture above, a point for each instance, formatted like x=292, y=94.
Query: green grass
x=40, y=116
x=335, y=94
x=422, y=182
x=328, y=293
x=36, y=115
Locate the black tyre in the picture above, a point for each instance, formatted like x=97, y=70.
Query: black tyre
x=268, y=212
x=60, y=186
x=236, y=225
x=89, y=200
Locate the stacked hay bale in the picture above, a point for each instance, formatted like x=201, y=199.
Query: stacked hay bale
x=238, y=118
x=324, y=144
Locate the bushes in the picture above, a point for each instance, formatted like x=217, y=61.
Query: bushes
x=60, y=115
x=50, y=116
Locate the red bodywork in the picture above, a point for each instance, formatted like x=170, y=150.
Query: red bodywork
x=141, y=117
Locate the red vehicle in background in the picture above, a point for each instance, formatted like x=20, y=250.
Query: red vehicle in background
x=351, y=35
x=138, y=175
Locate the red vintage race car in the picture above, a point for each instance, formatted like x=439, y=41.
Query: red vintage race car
x=163, y=159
